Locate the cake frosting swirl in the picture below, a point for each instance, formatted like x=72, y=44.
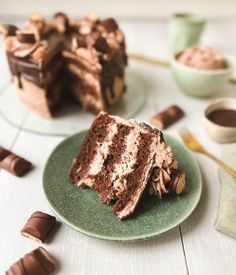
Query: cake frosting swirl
x=202, y=57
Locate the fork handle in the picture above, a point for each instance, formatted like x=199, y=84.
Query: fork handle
x=221, y=163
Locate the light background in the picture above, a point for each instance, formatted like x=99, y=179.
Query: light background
x=122, y=8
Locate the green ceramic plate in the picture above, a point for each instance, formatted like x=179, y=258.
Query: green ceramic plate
x=81, y=209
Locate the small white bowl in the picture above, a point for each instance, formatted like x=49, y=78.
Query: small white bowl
x=222, y=134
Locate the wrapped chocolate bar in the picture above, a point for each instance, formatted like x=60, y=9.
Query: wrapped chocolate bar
x=37, y=262
x=167, y=117
x=13, y=164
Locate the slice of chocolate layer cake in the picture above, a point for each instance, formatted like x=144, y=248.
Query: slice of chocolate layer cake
x=122, y=160
x=50, y=60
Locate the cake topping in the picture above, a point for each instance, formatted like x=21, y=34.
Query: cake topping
x=202, y=57
x=8, y=30
x=39, y=226
x=85, y=28
x=36, y=20
x=177, y=182
x=109, y=24
x=37, y=262
x=25, y=36
x=24, y=50
x=93, y=16
x=62, y=22
x=166, y=118
x=101, y=45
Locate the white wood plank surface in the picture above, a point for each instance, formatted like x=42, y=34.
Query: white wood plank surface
x=200, y=249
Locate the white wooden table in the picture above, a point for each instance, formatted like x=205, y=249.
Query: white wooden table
x=193, y=248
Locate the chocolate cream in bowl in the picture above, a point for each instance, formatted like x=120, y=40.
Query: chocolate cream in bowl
x=223, y=117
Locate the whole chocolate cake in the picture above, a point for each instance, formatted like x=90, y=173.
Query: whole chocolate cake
x=53, y=60
x=123, y=159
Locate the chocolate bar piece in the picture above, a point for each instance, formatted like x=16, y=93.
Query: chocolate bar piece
x=177, y=182
x=14, y=164
x=3, y=153
x=37, y=262
x=38, y=226
x=169, y=116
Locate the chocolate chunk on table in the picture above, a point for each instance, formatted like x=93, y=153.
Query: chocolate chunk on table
x=38, y=226
x=166, y=118
x=14, y=164
x=37, y=262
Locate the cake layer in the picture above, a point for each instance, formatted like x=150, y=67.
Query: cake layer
x=123, y=159
x=85, y=161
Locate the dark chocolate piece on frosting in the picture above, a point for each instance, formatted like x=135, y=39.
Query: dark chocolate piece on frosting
x=39, y=226
x=152, y=130
x=25, y=37
x=177, y=182
x=109, y=24
x=8, y=30
x=169, y=116
x=101, y=45
x=81, y=40
x=62, y=22
x=14, y=164
x=37, y=262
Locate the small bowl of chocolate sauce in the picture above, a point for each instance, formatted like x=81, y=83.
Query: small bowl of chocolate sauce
x=221, y=120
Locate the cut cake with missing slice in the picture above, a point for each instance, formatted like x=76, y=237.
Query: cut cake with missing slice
x=122, y=159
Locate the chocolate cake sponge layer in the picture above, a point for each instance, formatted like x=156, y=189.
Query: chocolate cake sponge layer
x=103, y=180
x=95, y=136
x=123, y=159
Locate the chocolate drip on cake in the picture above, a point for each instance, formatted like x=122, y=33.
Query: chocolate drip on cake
x=123, y=159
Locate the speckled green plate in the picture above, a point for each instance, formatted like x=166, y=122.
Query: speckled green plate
x=81, y=209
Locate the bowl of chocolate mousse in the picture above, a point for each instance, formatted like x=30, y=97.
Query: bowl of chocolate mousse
x=202, y=71
x=220, y=118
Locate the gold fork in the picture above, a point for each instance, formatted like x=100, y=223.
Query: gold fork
x=193, y=144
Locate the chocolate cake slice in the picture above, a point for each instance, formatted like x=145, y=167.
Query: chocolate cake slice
x=122, y=160
x=51, y=60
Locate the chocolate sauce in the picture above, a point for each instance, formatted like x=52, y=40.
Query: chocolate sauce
x=223, y=117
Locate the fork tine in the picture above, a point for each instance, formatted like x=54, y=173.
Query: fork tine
x=190, y=141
